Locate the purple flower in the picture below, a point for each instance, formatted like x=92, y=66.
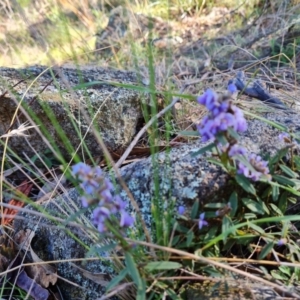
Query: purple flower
x=181, y=210
x=84, y=201
x=260, y=167
x=281, y=242
x=232, y=88
x=126, y=219
x=99, y=189
x=236, y=149
x=241, y=123
x=208, y=99
x=222, y=116
x=242, y=169
x=202, y=222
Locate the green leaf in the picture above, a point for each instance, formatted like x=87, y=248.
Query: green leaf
x=256, y=228
x=283, y=180
x=141, y=291
x=253, y=206
x=288, y=171
x=135, y=275
x=233, y=200
x=226, y=224
x=264, y=270
x=229, y=244
x=175, y=240
x=245, y=184
x=250, y=216
x=189, y=133
x=214, y=205
x=216, y=162
x=264, y=206
x=47, y=161
x=203, y=150
x=266, y=250
x=292, y=200
x=275, y=193
x=286, y=188
x=210, y=234
x=195, y=210
x=266, y=192
x=182, y=229
x=117, y=279
x=285, y=270
x=221, y=139
x=162, y=265
x=278, y=275
x=282, y=204
x=233, y=133
x=276, y=209
x=278, y=156
x=171, y=293
x=189, y=238
x=297, y=161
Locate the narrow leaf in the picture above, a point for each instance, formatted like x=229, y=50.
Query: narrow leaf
x=203, y=150
x=266, y=250
x=288, y=171
x=189, y=133
x=135, y=275
x=195, y=210
x=233, y=200
x=226, y=224
x=253, y=206
x=163, y=265
x=276, y=209
x=233, y=133
x=116, y=280
x=275, y=193
x=245, y=184
x=283, y=180
x=256, y=228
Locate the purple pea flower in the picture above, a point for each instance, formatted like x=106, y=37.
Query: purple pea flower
x=260, y=167
x=126, y=219
x=236, y=149
x=281, y=242
x=181, y=210
x=232, y=88
x=96, y=186
x=222, y=116
x=202, y=222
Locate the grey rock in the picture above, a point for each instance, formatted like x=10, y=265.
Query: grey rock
x=55, y=97
x=182, y=178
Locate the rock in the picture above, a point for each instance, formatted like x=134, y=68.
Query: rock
x=182, y=178
x=114, y=110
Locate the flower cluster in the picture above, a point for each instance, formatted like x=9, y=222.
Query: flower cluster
x=98, y=189
x=223, y=115
x=259, y=167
